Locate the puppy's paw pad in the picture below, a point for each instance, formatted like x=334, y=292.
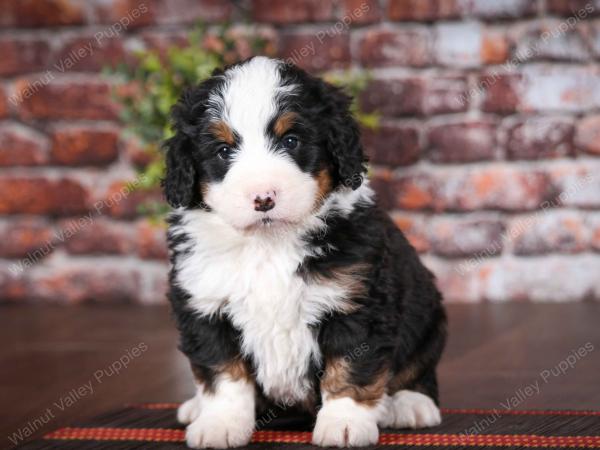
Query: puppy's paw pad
x=209, y=431
x=415, y=410
x=335, y=430
x=188, y=411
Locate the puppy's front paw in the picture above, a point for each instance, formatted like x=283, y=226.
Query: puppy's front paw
x=414, y=410
x=188, y=411
x=345, y=425
x=212, y=430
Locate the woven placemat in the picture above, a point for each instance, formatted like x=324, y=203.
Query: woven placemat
x=153, y=426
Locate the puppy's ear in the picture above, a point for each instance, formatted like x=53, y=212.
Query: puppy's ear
x=343, y=137
x=180, y=180
x=181, y=175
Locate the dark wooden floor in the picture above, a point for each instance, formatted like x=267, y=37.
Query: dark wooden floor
x=49, y=354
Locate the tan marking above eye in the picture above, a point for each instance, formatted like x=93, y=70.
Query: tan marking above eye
x=222, y=132
x=284, y=123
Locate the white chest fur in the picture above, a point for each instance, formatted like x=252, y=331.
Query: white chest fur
x=253, y=280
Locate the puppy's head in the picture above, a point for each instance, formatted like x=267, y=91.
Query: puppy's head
x=262, y=143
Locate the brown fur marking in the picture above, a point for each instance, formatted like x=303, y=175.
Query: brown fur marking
x=223, y=132
x=324, y=187
x=352, y=279
x=284, y=123
x=237, y=370
x=404, y=378
x=336, y=383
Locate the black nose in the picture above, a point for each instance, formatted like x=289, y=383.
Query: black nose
x=264, y=204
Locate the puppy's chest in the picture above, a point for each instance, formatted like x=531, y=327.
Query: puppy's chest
x=257, y=287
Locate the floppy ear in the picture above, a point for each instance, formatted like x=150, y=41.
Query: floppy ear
x=180, y=180
x=181, y=176
x=343, y=137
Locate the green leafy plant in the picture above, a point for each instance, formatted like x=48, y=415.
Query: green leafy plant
x=154, y=83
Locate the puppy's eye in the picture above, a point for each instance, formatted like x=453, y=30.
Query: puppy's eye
x=290, y=142
x=224, y=152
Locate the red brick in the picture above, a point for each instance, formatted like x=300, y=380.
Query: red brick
x=458, y=280
x=382, y=183
x=542, y=279
x=292, y=11
x=315, y=51
x=576, y=184
x=518, y=279
x=487, y=9
x=577, y=8
x=72, y=284
x=416, y=96
x=460, y=237
x=65, y=100
x=587, y=137
x=243, y=40
x=403, y=47
x=458, y=44
x=151, y=241
x=20, y=146
x=38, y=13
x=137, y=153
x=395, y=145
x=423, y=10
x=88, y=53
x=432, y=10
x=13, y=287
x=469, y=189
x=500, y=92
x=22, y=237
x=495, y=48
x=550, y=40
x=192, y=11
x=20, y=55
x=360, y=11
x=124, y=200
x=463, y=141
x=593, y=224
x=162, y=41
x=414, y=228
x=591, y=30
x=157, y=281
x=134, y=13
x=96, y=235
x=548, y=232
x=3, y=103
x=555, y=88
x=414, y=191
x=539, y=138
x=37, y=195
x=76, y=146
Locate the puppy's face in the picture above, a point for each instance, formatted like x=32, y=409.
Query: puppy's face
x=261, y=144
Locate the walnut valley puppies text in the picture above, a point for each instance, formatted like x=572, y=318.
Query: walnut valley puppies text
x=77, y=393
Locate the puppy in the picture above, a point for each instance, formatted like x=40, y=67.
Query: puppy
x=288, y=284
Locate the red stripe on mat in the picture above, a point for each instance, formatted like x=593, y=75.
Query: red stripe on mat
x=531, y=412
x=295, y=437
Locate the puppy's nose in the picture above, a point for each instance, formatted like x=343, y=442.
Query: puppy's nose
x=265, y=201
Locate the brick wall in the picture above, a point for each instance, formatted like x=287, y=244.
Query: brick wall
x=488, y=153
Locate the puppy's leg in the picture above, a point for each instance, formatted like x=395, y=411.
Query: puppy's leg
x=350, y=413
x=189, y=410
x=411, y=409
x=223, y=413
x=415, y=406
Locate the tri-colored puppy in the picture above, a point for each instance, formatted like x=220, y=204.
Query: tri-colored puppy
x=289, y=285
